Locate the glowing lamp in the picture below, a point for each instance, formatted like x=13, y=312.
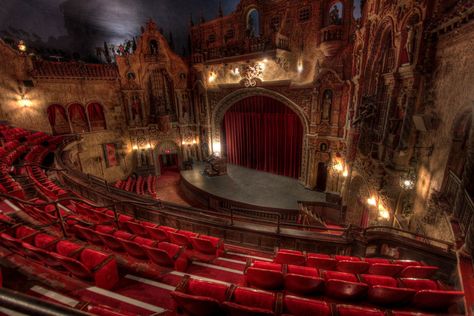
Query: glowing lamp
x=212, y=77
x=372, y=201
x=135, y=147
x=345, y=173
x=299, y=67
x=24, y=102
x=194, y=142
x=22, y=46
x=216, y=148
x=383, y=212
x=338, y=167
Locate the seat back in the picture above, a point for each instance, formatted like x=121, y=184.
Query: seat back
x=349, y=310
x=264, y=279
x=254, y=298
x=349, y=266
x=372, y=280
x=436, y=300
x=388, y=269
x=419, y=284
x=420, y=272
x=323, y=263
x=298, y=306
x=159, y=256
x=284, y=257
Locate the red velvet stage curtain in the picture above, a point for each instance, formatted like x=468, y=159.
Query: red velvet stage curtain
x=264, y=134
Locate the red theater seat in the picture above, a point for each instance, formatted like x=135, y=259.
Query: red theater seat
x=44, y=256
x=383, y=290
x=407, y=263
x=200, y=298
x=93, y=265
x=436, y=300
x=167, y=255
x=88, y=234
x=420, y=272
x=182, y=238
x=302, y=280
x=267, y=265
x=158, y=233
x=321, y=261
x=290, y=257
x=44, y=241
x=298, y=306
x=349, y=266
x=343, y=285
x=111, y=242
x=246, y=301
x=134, y=248
x=68, y=248
x=207, y=245
x=377, y=260
x=388, y=269
x=137, y=228
x=349, y=258
x=264, y=278
x=419, y=284
x=349, y=310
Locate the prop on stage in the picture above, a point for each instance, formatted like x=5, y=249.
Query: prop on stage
x=215, y=166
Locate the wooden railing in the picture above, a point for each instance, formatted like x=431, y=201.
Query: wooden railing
x=464, y=210
x=264, y=231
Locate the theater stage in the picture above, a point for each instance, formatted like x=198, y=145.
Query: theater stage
x=251, y=187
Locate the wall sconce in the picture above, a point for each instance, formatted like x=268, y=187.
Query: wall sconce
x=212, y=77
x=383, y=212
x=407, y=181
x=135, y=147
x=216, y=148
x=345, y=173
x=299, y=66
x=372, y=201
x=22, y=46
x=24, y=102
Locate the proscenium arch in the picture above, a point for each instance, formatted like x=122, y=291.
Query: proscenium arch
x=217, y=117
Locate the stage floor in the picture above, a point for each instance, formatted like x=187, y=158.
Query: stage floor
x=252, y=187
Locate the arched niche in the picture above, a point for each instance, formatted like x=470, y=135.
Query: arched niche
x=96, y=114
x=335, y=13
x=58, y=119
x=78, y=118
x=253, y=23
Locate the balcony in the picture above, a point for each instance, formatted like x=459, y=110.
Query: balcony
x=331, y=39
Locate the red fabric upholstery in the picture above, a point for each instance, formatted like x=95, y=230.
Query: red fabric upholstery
x=44, y=241
x=407, y=263
x=197, y=305
x=400, y=313
x=111, y=242
x=436, y=300
x=264, y=279
x=201, y=298
x=103, y=267
x=105, y=311
x=159, y=256
x=321, y=261
x=134, y=249
x=88, y=234
x=308, y=271
x=350, y=258
x=343, y=285
x=104, y=229
x=376, y=260
x=419, y=284
x=301, y=281
x=267, y=265
x=123, y=235
x=24, y=231
x=387, y=269
x=247, y=301
x=66, y=248
x=137, y=228
x=349, y=266
x=298, y=306
x=181, y=239
x=167, y=255
x=207, y=244
x=378, y=280
x=420, y=272
x=286, y=257
x=384, y=291
x=348, y=310
x=145, y=241
x=158, y=233
x=12, y=243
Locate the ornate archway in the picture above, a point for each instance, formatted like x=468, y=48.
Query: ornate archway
x=218, y=112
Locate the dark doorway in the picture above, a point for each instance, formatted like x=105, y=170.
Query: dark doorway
x=322, y=177
x=169, y=162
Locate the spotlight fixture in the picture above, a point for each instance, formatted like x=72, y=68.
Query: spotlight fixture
x=22, y=46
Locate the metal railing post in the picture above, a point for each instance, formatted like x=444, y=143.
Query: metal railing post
x=114, y=208
x=60, y=218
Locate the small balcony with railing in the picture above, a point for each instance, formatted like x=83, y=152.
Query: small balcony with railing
x=332, y=39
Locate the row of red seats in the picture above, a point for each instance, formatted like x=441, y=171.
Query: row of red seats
x=350, y=264
x=7, y=156
x=204, y=298
x=382, y=290
x=36, y=156
x=151, y=185
x=161, y=253
x=62, y=255
x=206, y=245
x=10, y=133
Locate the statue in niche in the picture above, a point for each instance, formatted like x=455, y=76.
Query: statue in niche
x=327, y=104
x=410, y=45
x=136, y=108
x=153, y=47
x=335, y=16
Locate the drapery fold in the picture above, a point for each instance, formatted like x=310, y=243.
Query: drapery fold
x=264, y=134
